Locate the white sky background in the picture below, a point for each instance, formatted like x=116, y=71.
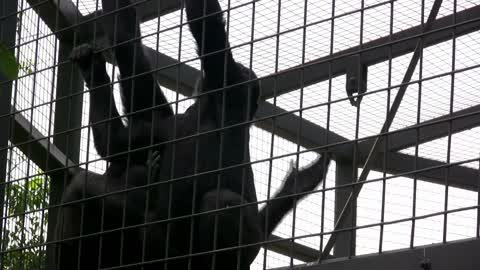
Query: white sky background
x=435, y=96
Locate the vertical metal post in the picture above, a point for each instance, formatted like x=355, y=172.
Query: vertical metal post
x=345, y=244
x=7, y=37
x=69, y=105
x=386, y=126
x=68, y=115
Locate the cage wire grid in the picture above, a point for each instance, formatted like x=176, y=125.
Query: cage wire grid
x=424, y=185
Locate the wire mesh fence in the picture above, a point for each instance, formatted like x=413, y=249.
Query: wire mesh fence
x=385, y=89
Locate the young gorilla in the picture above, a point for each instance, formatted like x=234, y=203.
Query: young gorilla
x=196, y=161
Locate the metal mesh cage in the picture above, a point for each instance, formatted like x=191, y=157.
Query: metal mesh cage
x=386, y=89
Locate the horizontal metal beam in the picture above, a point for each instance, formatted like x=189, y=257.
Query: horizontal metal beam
x=459, y=255
x=178, y=77
x=59, y=22
x=398, y=163
x=292, y=249
x=434, y=129
x=146, y=10
x=288, y=124
x=313, y=136
x=65, y=20
x=152, y=9
x=372, y=52
x=43, y=153
x=313, y=72
x=287, y=127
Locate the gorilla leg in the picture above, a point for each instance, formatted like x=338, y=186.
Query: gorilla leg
x=75, y=220
x=295, y=182
x=227, y=228
x=235, y=104
x=94, y=215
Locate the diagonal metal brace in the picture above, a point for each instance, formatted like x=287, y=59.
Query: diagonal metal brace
x=386, y=126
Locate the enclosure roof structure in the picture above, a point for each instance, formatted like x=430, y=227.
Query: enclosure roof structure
x=311, y=76
x=66, y=17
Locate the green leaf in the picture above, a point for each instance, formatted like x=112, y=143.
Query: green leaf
x=8, y=63
x=28, y=229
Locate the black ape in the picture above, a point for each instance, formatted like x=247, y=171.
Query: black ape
x=124, y=172
x=111, y=139
x=202, y=170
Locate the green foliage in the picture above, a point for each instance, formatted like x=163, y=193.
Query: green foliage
x=9, y=66
x=27, y=233
x=27, y=66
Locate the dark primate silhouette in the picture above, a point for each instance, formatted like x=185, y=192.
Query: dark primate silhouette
x=194, y=194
